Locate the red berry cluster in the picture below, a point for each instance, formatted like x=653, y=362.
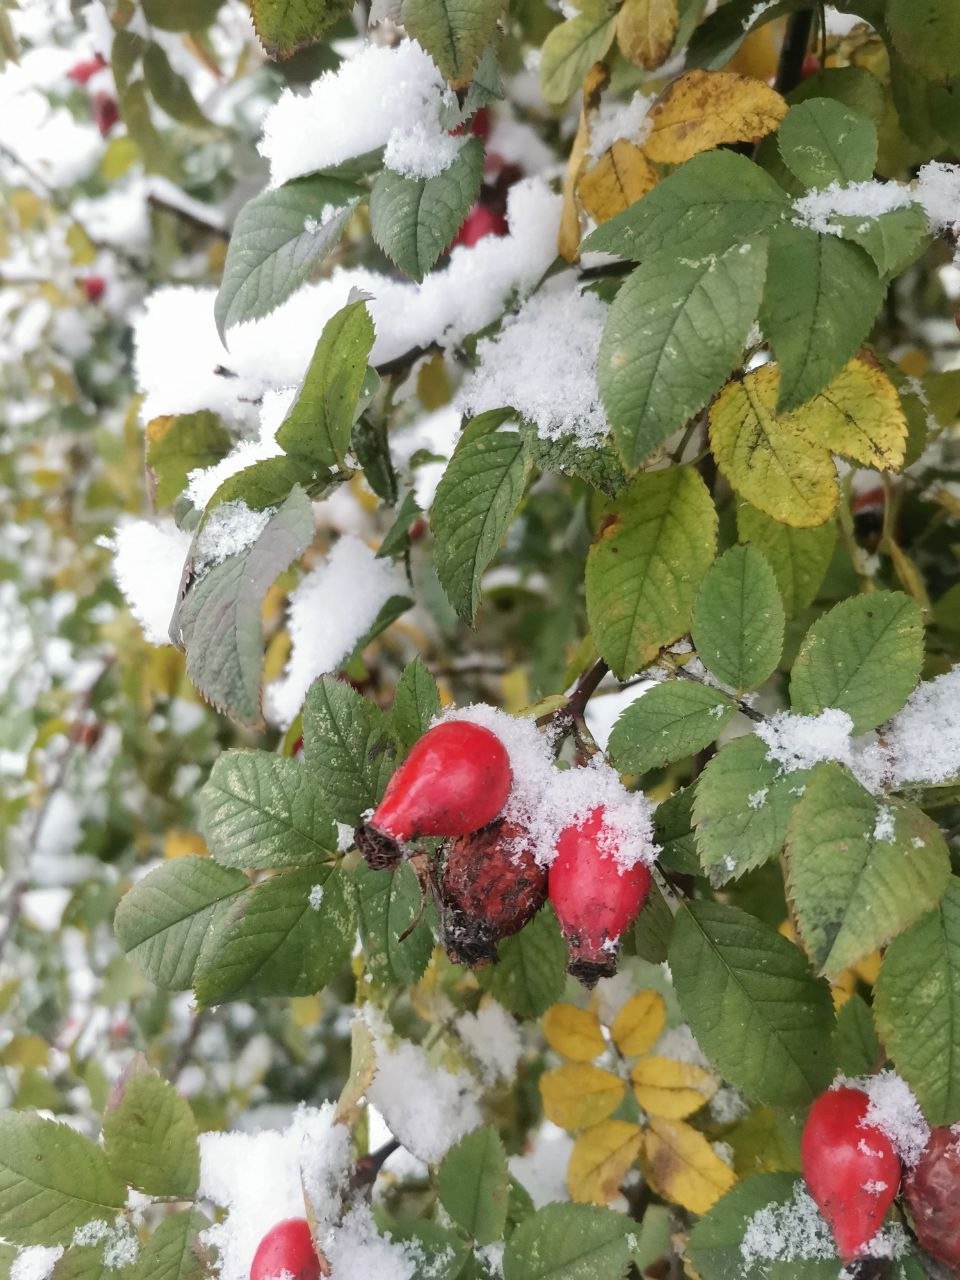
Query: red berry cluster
x=854, y=1174
x=454, y=784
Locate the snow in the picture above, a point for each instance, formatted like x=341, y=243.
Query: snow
x=182, y=366
x=426, y=1108
x=493, y=1039
x=923, y=739
x=894, y=1111
x=799, y=742
x=229, y=529
x=148, y=559
x=315, y=896
x=262, y=1178
x=330, y=610
x=544, y=800
x=355, y=1251
x=120, y=1245
x=883, y=827
x=543, y=364
x=614, y=122
x=868, y=200
x=376, y=94
x=542, y=1168
x=787, y=1232
x=203, y=482
x=422, y=151
x=35, y=1263
x=680, y=1044
x=938, y=191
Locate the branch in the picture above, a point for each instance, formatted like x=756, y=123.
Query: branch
x=796, y=41
x=575, y=705
x=367, y=1167
x=676, y=669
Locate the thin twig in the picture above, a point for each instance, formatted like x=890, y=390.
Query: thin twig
x=566, y=717
x=367, y=1167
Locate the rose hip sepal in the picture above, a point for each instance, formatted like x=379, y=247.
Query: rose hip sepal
x=489, y=888
x=288, y=1250
x=455, y=780
x=594, y=897
x=932, y=1189
x=851, y=1168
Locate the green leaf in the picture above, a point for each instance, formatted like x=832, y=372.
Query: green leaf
x=173, y=1251
x=473, y=1182
x=169, y=90
x=81, y=1262
x=415, y=703
x=150, y=1135
x=258, y=810
x=268, y=483
x=859, y=871
x=598, y=464
x=674, y=332
x=284, y=26
x=715, y=202
x=917, y=1006
x=819, y=304
x=218, y=620
x=278, y=239
x=52, y=1180
x=721, y=33
x=893, y=240
x=753, y=1006
x=454, y=32
x=180, y=15
x=715, y=1243
x=669, y=722
x=822, y=141
x=162, y=921
x=863, y=656
x=316, y=430
x=926, y=35
x=742, y=808
x=475, y=502
x=645, y=567
x=290, y=935
x=673, y=828
x=530, y=972
x=799, y=557
x=414, y=219
x=653, y=927
x=178, y=445
x=348, y=748
x=388, y=904
x=571, y=49
x=440, y=1252
x=569, y=1242
x=738, y=619
x=370, y=445
x=858, y=1049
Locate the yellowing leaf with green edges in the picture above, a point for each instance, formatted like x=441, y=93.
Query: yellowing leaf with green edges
x=571, y=49
x=622, y=175
x=681, y=1166
x=782, y=462
x=645, y=31
x=576, y=1095
x=639, y=1024
x=671, y=1090
x=573, y=1032
x=704, y=108
x=600, y=1160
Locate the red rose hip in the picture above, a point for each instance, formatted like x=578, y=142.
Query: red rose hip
x=932, y=1191
x=594, y=897
x=455, y=780
x=491, y=885
x=288, y=1250
x=850, y=1167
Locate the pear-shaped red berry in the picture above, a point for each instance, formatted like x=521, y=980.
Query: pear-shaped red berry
x=594, y=896
x=490, y=886
x=455, y=780
x=288, y=1250
x=932, y=1190
x=850, y=1167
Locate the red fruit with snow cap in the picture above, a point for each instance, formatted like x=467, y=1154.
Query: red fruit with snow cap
x=851, y=1168
x=288, y=1250
x=455, y=780
x=932, y=1190
x=595, y=898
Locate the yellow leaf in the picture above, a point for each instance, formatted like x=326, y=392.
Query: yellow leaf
x=783, y=463
x=576, y=1095
x=681, y=1166
x=759, y=53
x=306, y=1010
x=671, y=1089
x=622, y=175
x=639, y=1023
x=645, y=31
x=910, y=577
x=568, y=237
x=573, y=1032
x=868, y=969
x=600, y=1159
x=178, y=844
x=82, y=251
x=433, y=382
x=363, y=1067
x=701, y=109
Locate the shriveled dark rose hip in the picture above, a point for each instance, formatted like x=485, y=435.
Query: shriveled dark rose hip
x=932, y=1191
